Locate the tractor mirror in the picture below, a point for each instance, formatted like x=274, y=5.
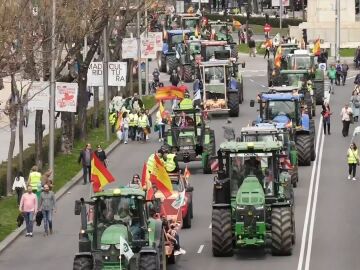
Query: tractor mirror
x=252, y=103
x=77, y=207
x=189, y=189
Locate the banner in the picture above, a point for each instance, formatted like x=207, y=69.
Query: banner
x=158, y=36
x=39, y=96
x=66, y=97
x=147, y=46
x=276, y=3
x=95, y=75
x=117, y=73
x=129, y=48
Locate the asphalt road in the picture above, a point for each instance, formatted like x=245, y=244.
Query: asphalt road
x=329, y=239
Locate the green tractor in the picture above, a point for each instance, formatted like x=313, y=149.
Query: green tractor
x=252, y=200
x=191, y=138
x=118, y=217
x=285, y=107
x=263, y=132
x=189, y=55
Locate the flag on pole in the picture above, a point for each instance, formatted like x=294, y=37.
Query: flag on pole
x=278, y=56
x=276, y=39
x=119, y=121
x=161, y=108
x=125, y=249
x=160, y=177
x=100, y=176
x=180, y=200
x=316, y=50
x=145, y=177
x=187, y=173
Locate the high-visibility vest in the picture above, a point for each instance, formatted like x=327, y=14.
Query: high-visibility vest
x=133, y=119
x=35, y=180
x=143, y=121
x=186, y=104
x=150, y=163
x=352, y=156
x=112, y=118
x=170, y=164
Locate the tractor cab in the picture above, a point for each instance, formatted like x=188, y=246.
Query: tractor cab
x=212, y=49
x=189, y=21
x=300, y=60
x=221, y=31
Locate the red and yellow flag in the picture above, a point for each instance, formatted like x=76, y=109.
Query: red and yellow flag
x=119, y=121
x=161, y=108
x=145, y=178
x=169, y=93
x=187, y=173
x=160, y=177
x=278, y=56
x=100, y=176
x=317, y=50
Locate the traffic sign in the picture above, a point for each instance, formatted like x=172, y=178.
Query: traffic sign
x=267, y=27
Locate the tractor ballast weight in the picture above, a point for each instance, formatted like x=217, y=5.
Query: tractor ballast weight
x=112, y=215
x=252, y=204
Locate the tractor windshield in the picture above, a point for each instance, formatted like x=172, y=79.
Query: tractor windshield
x=292, y=79
x=301, y=62
x=190, y=23
x=260, y=165
x=184, y=120
x=214, y=75
x=260, y=137
x=281, y=111
x=176, y=39
x=210, y=50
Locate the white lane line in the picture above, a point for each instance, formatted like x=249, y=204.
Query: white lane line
x=259, y=84
x=210, y=226
x=200, y=249
x=308, y=205
x=312, y=220
x=352, y=77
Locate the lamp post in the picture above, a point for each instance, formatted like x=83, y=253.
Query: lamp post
x=337, y=31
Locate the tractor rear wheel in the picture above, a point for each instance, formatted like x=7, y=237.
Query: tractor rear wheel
x=233, y=104
x=148, y=262
x=210, y=148
x=294, y=178
x=303, y=146
x=319, y=92
x=234, y=53
x=187, y=73
x=161, y=61
x=281, y=231
x=171, y=64
x=83, y=263
x=222, y=239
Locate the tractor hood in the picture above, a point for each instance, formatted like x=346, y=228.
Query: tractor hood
x=250, y=192
x=111, y=235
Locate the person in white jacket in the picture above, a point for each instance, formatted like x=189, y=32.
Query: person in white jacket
x=19, y=186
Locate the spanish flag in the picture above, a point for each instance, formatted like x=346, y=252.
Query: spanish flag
x=160, y=177
x=161, y=108
x=145, y=178
x=119, y=121
x=100, y=176
x=169, y=93
x=317, y=50
x=187, y=173
x=278, y=56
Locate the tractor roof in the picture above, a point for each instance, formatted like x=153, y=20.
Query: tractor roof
x=122, y=191
x=284, y=88
x=289, y=45
x=245, y=147
x=302, y=52
x=189, y=15
x=215, y=63
x=294, y=71
x=266, y=128
x=219, y=22
x=213, y=43
x=178, y=32
x=281, y=96
x=187, y=111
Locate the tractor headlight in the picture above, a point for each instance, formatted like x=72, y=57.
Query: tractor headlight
x=105, y=247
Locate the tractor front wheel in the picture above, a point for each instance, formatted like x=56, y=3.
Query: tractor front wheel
x=222, y=239
x=303, y=146
x=171, y=64
x=147, y=262
x=83, y=263
x=281, y=231
x=233, y=104
x=187, y=73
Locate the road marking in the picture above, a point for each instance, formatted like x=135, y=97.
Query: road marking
x=200, y=249
x=259, y=84
x=312, y=220
x=352, y=77
x=210, y=226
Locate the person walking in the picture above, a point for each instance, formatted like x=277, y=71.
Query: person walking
x=34, y=180
x=100, y=153
x=338, y=68
x=346, y=114
x=268, y=47
x=133, y=120
x=47, y=207
x=345, y=69
x=352, y=160
x=160, y=124
x=355, y=105
x=85, y=159
x=125, y=127
x=332, y=77
x=174, y=78
x=28, y=206
x=252, y=47
x=19, y=186
x=143, y=124
x=326, y=117
x=112, y=120
x=150, y=122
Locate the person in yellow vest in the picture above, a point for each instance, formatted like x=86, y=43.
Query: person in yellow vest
x=171, y=163
x=34, y=181
x=186, y=103
x=133, y=122
x=112, y=120
x=143, y=123
x=151, y=160
x=352, y=160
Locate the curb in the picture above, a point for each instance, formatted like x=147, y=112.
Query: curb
x=61, y=192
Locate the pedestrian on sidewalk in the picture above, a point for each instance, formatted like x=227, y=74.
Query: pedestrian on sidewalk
x=125, y=127
x=252, y=47
x=133, y=121
x=100, y=153
x=338, y=68
x=160, y=125
x=28, y=206
x=85, y=159
x=34, y=180
x=19, y=186
x=346, y=115
x=147, y=113
x=47, y=207
x=352, y=160
x=332, y=77
x=345, y=69
x=326, y=117
x=355, y=105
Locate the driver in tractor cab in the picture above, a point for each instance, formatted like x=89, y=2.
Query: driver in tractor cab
x=305, y=119
x=253, y=167
x=126, y=217
x=156, y=75
x=186, y=103
x=281, y=118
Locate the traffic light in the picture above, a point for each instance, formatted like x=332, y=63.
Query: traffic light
x=304, y=35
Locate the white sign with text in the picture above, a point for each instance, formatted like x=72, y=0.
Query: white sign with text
x=117, y=73
x=95, y=75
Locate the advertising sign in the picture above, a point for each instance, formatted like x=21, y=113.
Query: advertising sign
x=66, y=97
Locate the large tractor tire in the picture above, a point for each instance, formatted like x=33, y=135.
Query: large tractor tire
x=234, y=53
x=210, y=148
x=293, y=238
x=294, y=177
x=148, y=262
x=222, y=238
x=281, y=231
x=161, y=61
x=241, y=92
x=187, y=73
x=303, y=146
x=312, y=134
x=319, y=92
x=233, y=104
x=171, y=63
x=83, y=263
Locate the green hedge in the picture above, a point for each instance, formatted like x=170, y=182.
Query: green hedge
x=274, y=22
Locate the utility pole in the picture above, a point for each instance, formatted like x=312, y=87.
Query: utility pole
x=106, y=88
x=281, y=13
x=52, y=94
x=200, y=5
x=303, y=9
x=139, y=51
x=337, y=30
x=146, y=60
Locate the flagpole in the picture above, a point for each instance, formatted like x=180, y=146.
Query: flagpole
x=120, y=252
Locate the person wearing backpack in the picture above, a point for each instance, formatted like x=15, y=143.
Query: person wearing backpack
x=355, y=105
